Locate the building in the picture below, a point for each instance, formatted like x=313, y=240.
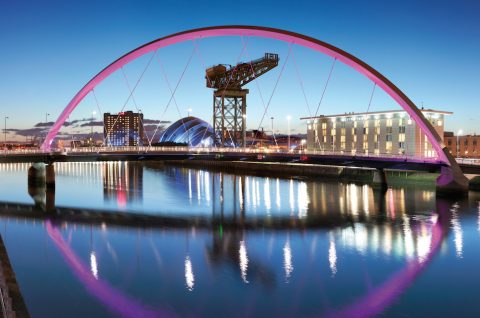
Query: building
x=190, y=131
x=467, y=146
x=378, y=133
x=123, y=129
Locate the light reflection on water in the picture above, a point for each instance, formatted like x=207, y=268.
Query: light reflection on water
x=329, y=238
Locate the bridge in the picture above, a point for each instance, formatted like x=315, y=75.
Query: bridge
x=451, y=177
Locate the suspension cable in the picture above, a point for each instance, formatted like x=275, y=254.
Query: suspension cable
x=133, y=99
x=99, y=109
x=172, y=96
x=371, y=96
x=131, y=93
x=274, y=88
x=326, y=85
x=302, y=87
x=258, y=88
x=202, y=61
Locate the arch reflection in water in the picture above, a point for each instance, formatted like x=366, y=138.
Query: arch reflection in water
x=268, y=253
x=245, y=252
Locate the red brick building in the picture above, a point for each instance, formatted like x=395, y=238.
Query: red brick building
x=467, y=146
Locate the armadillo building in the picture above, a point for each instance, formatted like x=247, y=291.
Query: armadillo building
x=189, y=130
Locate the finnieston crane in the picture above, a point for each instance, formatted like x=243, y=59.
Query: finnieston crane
x=230, y=99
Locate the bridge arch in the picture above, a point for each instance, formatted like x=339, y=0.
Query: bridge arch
x=235, y=30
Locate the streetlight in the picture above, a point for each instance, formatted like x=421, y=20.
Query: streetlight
x=188, y=129
x=273, y=134
x=5, y=131
x=288, y=121
x=91, y=127
x=244, y=131
x=458, y=142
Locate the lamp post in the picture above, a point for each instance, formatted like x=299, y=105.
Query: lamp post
x=91, y=127
x=244, y=131
x=5, y=131
x=288, y=122
x=458, y=142
x=46, y=124
x=188, y=129
x=273, y=134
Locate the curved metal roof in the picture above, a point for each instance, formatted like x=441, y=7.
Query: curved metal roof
x=190, y=130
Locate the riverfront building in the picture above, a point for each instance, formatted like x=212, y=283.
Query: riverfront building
x=467, y=146
x=378, y=133
x=123, y=129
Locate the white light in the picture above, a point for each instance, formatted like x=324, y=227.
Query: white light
x=460, y=132
x=189, y=277
x=243, y=258
x=287, y=260
x=332, y=257
x=289, y=117
x=93, y=265
x=458, y=235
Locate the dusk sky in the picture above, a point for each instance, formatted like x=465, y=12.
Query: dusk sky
x=50, y=49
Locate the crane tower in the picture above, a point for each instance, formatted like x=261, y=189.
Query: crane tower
x=230, y=99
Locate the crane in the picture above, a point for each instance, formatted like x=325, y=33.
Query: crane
x=230, y=99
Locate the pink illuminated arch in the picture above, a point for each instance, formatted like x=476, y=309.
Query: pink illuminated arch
x=282, y=35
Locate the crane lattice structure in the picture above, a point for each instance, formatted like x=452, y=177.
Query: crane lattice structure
x=230, y=99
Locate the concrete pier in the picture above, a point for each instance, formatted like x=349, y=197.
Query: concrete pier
x=379, y=179
x=452, y=181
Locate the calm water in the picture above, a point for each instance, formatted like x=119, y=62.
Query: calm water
x=279, y=247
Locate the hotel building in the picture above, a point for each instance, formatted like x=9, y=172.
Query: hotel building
x=377, y=133
x=123, y=129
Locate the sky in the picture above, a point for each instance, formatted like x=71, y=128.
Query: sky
x=50, y=49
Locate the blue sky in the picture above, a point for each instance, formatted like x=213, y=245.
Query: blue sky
x=50, y=49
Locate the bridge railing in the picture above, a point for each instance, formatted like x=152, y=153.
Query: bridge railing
x=222, y=150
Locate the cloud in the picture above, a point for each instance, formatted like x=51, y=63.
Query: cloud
x=92, y=124
x=44, y=124
x=28, y=132
x=155, y=121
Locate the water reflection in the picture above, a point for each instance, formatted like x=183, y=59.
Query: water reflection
x=122, y=182
x=244, y=238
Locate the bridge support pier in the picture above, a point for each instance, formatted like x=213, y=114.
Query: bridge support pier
x=452, y=181
x=41, y=185
x=379, y=180
x=50, y=175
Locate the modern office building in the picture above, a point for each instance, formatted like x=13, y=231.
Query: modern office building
x=466, y=146
x=379, y=133
x=123, y=129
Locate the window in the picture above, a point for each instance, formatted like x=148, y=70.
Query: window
x=389, y=137
x=401, y=129
x=401, y=145
x=388, y=146
x=389, y=129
